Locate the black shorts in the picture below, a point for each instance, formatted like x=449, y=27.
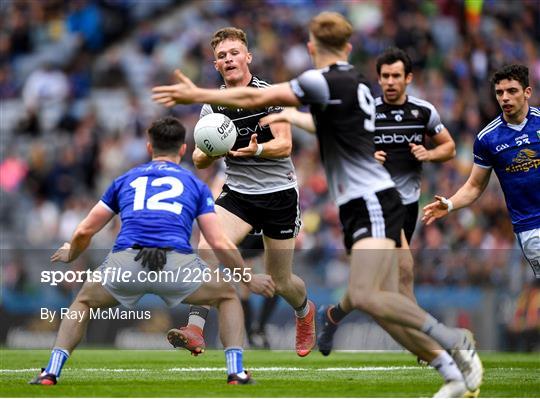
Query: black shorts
x=380, y=215
x=252, y=245
x=411, y=216
x=276, y=214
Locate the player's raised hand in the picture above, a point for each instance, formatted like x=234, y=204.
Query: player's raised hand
x=262, y=284
x=420, y=152
x=435, y=210
x=180, y=93
x=380, y=156
x=62, y=253
x=248, y=151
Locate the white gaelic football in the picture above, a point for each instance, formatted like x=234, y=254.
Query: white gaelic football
x=215, y=134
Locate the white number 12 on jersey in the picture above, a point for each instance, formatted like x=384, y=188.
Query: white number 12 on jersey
x=155, y=202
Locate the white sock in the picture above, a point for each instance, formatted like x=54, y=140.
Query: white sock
x=446, y=367
x=302, y=311
x=197, y=321
x=447, y=337
x=197, y=316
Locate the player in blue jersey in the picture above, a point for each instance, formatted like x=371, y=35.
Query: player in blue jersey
x=509, y=145
x=157, y=202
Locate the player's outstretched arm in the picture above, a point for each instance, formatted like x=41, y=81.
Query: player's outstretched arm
x=186, y=92
x=465, y=196
x=304, y=120
x=97, y=218
x=228, y=254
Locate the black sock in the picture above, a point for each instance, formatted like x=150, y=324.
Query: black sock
x=302, y=306
x=269, y=305
x=337, y=314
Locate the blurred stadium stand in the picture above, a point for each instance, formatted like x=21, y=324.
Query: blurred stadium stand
x=75, y=79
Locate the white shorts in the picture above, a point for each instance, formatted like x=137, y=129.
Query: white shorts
x=173, y=284
x=529, y=241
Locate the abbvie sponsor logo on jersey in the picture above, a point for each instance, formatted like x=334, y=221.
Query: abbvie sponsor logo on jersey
x=244, y=131
x=397, y=138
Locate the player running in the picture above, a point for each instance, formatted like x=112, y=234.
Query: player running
x=402, y=124
x=509, y=145
x=260, y=192
x=370, y=207
x=157, y=202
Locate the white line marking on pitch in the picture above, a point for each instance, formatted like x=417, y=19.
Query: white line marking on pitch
x=201, y=369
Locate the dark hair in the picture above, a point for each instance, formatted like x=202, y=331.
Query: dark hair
x=392, y=55
x=228, y=33
x=516, y=72
x=167, y=135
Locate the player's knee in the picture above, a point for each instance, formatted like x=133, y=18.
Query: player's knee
x=406, y=272
x=226, y=291
x=82, y=301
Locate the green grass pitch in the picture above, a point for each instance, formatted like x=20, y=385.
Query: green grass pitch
x=130, y=373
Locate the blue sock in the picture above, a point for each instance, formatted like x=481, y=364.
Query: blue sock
x=233, y=356
x=57, y=360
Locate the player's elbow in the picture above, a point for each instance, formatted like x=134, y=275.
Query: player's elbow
x=83, y=232
x=285, y=149
x=451, y=150
x=218, y=243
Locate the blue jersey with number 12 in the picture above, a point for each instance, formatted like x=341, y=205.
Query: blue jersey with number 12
x=157, y=202
x=514, y=154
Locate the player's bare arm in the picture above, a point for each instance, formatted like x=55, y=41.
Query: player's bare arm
x=465, y=196
x=98, y=217
x=278, y=147
x=303, y=120
x=445, y=148
x=228, y=254
x=202, y=160
x=186, y=92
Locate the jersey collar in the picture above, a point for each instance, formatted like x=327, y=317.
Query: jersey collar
x=527, y=117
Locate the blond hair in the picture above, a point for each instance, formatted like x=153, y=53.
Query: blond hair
x=228, y=33
x=330, y=30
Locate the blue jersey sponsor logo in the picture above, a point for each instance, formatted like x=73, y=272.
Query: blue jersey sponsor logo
x=525, y=161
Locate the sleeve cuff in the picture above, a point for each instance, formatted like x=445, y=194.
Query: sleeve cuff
x=104, y=205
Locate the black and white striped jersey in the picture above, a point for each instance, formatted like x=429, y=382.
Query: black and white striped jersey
x=254, y=175
x=344, y=113
x=398, y=126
